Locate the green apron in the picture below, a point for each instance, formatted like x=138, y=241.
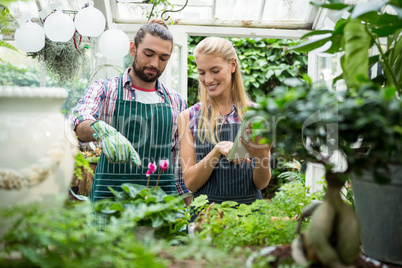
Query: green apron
x=149, y=129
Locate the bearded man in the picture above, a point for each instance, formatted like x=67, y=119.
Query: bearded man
x=135, y=118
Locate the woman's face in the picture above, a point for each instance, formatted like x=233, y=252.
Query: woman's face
x=215, y=74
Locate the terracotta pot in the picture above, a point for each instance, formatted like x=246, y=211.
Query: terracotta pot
x=37, y=146
x=84, y=185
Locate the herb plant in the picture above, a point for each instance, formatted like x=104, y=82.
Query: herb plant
x=262, y=223
x=81, y=163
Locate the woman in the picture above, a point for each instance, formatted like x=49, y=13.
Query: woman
x=207, y=131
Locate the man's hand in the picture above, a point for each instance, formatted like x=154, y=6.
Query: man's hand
x=115, y=146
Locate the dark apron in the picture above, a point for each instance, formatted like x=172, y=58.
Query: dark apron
x=149, y=129
x=228, y=181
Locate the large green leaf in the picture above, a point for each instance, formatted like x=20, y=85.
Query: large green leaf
x=119, y=196
x=316, y=32
x=132, y=189
x=311, y=44
x=355, y=61
x=366, y=7
x=387, y=30
x=335, y=5
x=394, y=59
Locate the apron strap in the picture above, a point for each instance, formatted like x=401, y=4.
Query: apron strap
x=158, y=84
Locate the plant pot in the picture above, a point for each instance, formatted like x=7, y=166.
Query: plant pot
x=379, y=208
x=84, y=184
x=37, y=146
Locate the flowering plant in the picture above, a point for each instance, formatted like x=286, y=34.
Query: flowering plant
x=163, y=165
x=151, y=169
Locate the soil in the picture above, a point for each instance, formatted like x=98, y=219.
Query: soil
x=283, y=254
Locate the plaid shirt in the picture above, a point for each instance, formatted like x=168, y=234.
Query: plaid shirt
x=99, y=102
x=230, y=118
x=194, y=112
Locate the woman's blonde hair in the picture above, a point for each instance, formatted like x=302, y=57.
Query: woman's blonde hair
x=208, y=120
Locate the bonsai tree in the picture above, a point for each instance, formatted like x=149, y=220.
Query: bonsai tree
x=349, y=132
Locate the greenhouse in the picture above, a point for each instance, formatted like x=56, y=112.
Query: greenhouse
x=200, y=133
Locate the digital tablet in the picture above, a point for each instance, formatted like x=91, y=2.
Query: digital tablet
x=238, y=150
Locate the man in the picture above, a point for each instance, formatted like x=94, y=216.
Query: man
x=135, y=117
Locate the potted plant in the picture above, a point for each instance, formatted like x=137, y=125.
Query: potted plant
x=355, y=132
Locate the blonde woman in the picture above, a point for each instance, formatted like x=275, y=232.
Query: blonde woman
x=207, y=131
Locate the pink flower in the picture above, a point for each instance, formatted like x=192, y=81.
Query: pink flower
x=151, y=168
x=164, y=164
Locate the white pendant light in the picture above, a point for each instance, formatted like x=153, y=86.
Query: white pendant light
x=59, y=27
x=90, y=22
x=30, y=37
x=114, y=44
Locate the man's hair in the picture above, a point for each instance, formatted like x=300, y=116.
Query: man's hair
x=155, y=27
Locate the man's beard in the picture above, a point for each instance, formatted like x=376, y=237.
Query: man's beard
x=140, y=72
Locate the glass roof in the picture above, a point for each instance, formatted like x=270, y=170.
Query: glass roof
x=285, y=14
x=279, y=14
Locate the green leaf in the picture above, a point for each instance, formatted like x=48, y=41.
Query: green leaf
x=311, y=44
x=92, y=159
x=132, y=189
x=355, y=61
x=229, y=204
x=366, y=7
x=116, y=207
x=316, y=32
x=199, y=201
x=334, y=6
x=157, y=220
x=389, y=93
x=168, y=198
x=119, y=196
x=8, y=45
x=387, y=30
x=293, y=82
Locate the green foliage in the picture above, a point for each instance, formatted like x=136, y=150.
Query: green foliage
x=63, y=238
x=262, y=223
x=5, y=17
x=293, y=197
x=307, y=112
x=12, y=75
x=148, y=207
x=295, y=173
x=47, y=236
x=365, y=26
x=157, y=8
x=265, y=63
x=81, y=163
x=197, y=252
x=63, y=60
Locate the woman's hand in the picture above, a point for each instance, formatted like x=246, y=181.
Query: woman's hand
x=262, y=155
x=257, y=150
x=260, y=152
x=224, y=148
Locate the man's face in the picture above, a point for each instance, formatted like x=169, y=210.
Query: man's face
x=150, y=57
